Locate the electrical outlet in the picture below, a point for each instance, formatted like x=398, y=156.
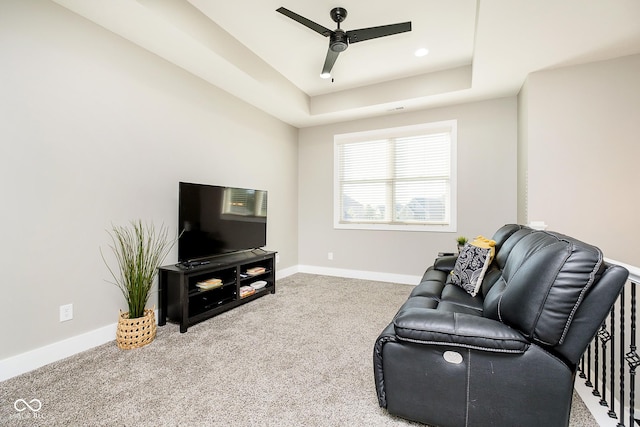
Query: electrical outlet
x=330, y=256
x=277, y=258
x=66, y=312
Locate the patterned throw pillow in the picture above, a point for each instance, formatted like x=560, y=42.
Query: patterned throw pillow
x=472, y=264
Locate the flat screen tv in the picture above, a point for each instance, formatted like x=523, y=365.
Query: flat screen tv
x=216, y=220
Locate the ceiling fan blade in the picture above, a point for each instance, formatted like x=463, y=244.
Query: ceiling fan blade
x=304, y=21
x=329, y=61
x=374, y=32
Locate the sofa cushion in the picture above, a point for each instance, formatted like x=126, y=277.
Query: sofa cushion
x=449, y=328
x=429, y=288
x=434, y=274
x=438, y=294
x=421, y=302
x=456, y=295
x=472, y=264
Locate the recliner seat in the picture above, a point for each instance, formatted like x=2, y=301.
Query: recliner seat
x=508, y=355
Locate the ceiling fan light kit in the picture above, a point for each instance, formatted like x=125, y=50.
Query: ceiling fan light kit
x=339, y=40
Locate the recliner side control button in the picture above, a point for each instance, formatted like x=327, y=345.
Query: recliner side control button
x=452, y=357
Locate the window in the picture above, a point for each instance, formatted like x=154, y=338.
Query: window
x=396, y=179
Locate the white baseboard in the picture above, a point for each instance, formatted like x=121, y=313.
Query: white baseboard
x=34, y=359
x=281, y=274
x=351, y=274
x=359, y=274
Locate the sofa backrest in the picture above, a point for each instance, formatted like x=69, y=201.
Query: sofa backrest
x=506, y=238
x=539, y=282
x=504, y=233
x=592, y=311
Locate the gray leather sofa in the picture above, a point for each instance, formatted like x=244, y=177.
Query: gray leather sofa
x=508, y=355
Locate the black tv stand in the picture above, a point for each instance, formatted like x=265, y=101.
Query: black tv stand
x=181, y=300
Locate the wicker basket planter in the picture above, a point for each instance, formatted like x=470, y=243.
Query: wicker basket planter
x=135, y=333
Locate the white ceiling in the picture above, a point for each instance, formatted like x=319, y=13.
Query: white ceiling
x=478, y=49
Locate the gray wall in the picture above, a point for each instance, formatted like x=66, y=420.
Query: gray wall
x=580, y=137
x=97, y=131
x=487, y=143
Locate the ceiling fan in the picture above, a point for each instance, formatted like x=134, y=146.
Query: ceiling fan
x=339, y=39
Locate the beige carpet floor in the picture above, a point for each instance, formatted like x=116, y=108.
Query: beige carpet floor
x=299, y=357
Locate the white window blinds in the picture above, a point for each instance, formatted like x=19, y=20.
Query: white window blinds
x=403, y=179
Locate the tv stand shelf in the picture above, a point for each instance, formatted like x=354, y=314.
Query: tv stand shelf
x=181, y=300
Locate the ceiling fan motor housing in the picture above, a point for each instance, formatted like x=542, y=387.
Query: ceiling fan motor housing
x=338, y=14
x=339, y=41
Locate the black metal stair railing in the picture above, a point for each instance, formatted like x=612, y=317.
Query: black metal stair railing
x=608, y=367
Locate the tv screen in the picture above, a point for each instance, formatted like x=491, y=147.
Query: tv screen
x=216, y=220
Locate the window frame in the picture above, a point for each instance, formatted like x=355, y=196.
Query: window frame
x=390, y=133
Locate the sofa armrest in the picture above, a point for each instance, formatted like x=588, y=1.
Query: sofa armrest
x=445, y=263
x=428, y=326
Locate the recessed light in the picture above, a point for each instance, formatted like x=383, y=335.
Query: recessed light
x=421, y=52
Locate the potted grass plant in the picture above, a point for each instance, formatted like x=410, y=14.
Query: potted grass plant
x=139, y=250
x=461, y=240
